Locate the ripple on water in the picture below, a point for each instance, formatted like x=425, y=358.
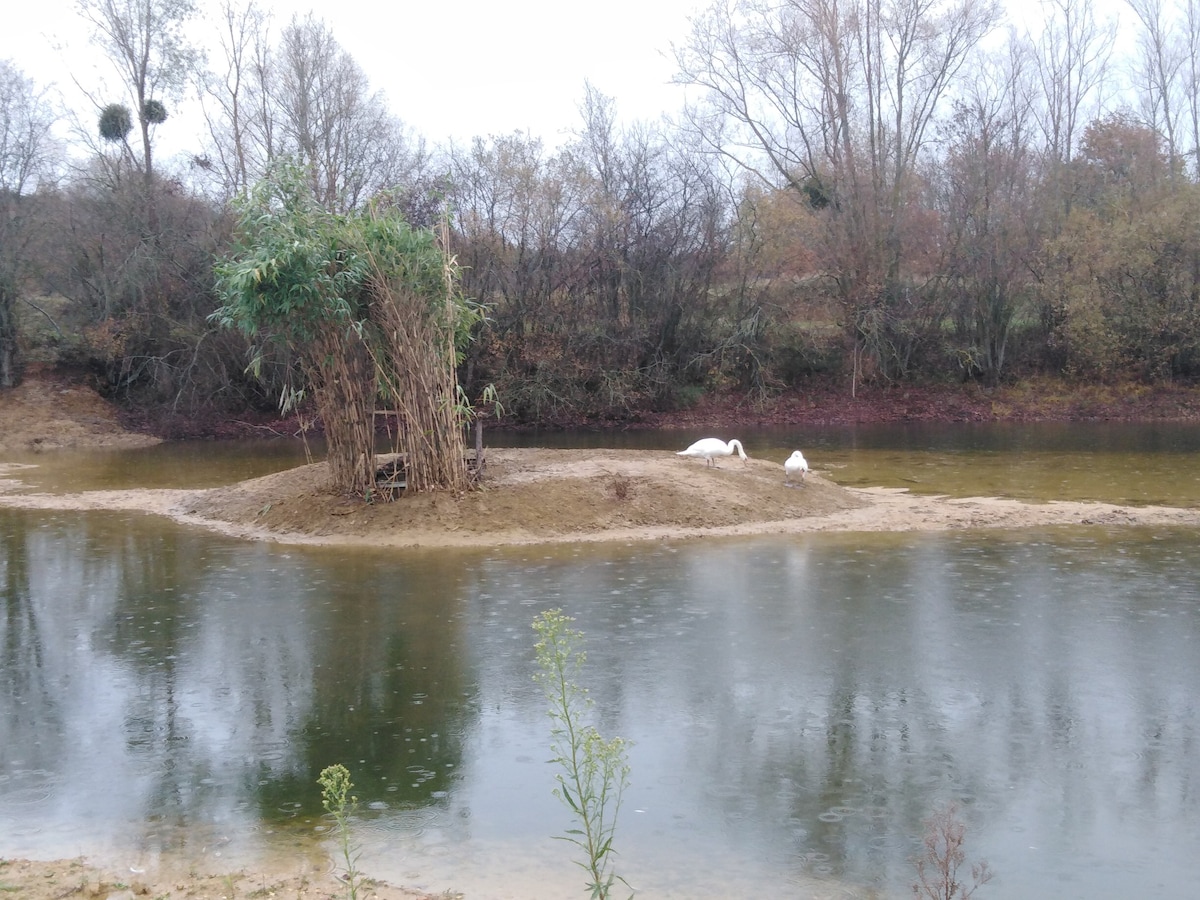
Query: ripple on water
x=27, y=787
x=276, y=752
x=878, y=842
x=414, y=822
x=816, y=863
x=724, y=792
x=24, y=796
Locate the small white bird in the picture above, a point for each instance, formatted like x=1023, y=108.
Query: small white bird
x=710, y=448
x=796, y=465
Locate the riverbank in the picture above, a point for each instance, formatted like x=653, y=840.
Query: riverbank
x=831, y=402
x=48, y=411
x=78, y=878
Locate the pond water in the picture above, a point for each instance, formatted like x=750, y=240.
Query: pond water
x=797, y=705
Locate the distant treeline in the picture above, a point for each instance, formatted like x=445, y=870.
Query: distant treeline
x=898, y=191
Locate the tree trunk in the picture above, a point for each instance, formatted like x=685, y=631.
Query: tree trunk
x=8, y=340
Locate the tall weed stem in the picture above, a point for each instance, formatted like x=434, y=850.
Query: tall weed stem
x=341, y=804
x=592, y=772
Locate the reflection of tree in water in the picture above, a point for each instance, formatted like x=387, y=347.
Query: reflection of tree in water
x=94, y=649
x=214, y=680
x=390, y=696
x=26, y=684
x=157, y=593
x=150, y=672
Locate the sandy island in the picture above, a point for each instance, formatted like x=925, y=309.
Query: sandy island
x=527, y=496
x=531, y=496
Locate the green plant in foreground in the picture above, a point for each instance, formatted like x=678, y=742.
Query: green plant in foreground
x=593, y=773
x=340, y=803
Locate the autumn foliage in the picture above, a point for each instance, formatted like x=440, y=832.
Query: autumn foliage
x=890, y=192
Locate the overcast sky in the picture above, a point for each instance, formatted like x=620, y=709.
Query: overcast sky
x=450, y=69
x=457, y=68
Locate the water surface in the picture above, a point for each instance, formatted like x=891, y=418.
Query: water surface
x=797, y=705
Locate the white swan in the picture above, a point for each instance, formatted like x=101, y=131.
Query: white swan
x=710, y=448
x=796, y=464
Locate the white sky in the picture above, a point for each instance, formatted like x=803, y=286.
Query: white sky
x=450, y=69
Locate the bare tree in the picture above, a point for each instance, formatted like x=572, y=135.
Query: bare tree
x=1191, y=77
x=646, y=229
x=1073, y=51
x=987, y=190
x=146, y=44
x=302, y=97
x=514, y=209
x=233, y=100
x=1158, y=69
x=836, y=100
x=331, y=120
x=596, y=262
x=27, y=163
